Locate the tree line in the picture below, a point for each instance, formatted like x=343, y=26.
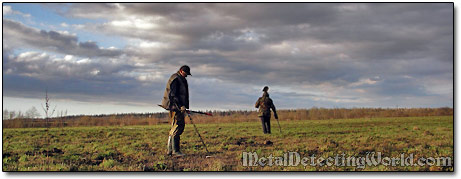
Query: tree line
x=30, y=113
x=127, y=119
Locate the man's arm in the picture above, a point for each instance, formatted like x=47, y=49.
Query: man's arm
x=176, y=103
x=273, y=109
x=173, y=92
x=257, y=103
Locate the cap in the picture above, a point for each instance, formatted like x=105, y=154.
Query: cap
x=186, y=69
x=265, y=88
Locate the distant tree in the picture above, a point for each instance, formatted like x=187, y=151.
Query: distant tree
x=32, y=113
x=47, y=106
x=20, y=115
x=12, y=114
x=5, y=114
x=62, y=113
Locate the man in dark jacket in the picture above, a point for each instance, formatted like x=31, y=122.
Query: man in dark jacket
x=265, y=105
x=176, y=100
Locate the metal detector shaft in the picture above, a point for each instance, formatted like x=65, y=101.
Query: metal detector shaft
x=198, y=133
x=190, y=111
x=280, y=128
x=195, y=127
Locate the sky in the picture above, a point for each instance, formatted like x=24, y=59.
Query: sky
x=97, y=58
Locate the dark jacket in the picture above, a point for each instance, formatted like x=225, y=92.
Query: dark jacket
x=265, y=105
x=176, y=92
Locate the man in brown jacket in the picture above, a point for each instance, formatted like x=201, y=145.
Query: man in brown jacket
x=265, y=105
x=176, y=100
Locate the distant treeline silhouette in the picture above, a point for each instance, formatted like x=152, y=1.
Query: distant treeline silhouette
x=225, y=116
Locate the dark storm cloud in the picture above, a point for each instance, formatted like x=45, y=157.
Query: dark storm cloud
x=42, y=65
x=83, y=90
x=30, y=73
x=19, y=35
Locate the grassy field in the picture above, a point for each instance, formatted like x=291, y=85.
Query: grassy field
x=143, y=148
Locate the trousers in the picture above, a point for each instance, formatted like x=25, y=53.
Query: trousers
x=177, y=124
x=266, y=122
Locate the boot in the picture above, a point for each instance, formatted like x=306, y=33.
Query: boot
x=170, y=145
x=176, y=151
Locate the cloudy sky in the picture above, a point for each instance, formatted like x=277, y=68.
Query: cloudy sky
x=113, y=58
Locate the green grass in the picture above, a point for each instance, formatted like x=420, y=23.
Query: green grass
x=143, y=148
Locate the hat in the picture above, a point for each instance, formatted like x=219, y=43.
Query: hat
x=186, y=69
x=265, y=88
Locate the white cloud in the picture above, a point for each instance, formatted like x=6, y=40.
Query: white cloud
x=95, y=72
x=7, y=10
x=147, y=44
x=31, y=56
x=135, y=22
x=365, y=81
x=85, y=60
x=352, y=7
x=67, y=33
x=68, y=57
x=78, y=26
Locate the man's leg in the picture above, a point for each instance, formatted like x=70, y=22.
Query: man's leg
x=264, y=125
x=267, y=120
x=170, y=137
x=177, y=129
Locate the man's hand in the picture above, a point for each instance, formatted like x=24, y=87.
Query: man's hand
x=276, y=116
x=183, y=109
